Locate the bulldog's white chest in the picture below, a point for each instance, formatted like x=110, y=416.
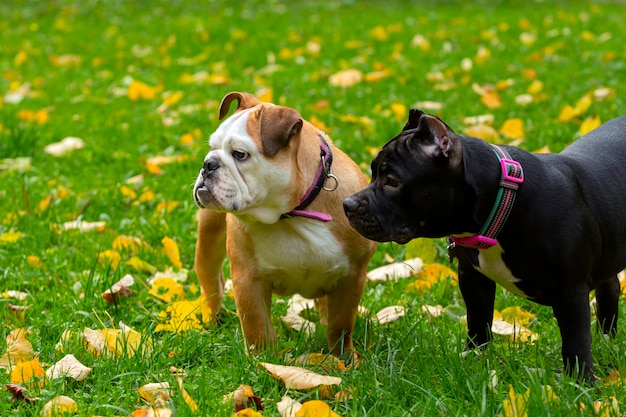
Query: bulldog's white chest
x=491, y=264
x=299, y=256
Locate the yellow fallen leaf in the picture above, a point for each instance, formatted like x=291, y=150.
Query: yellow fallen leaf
x=140, y=265
x=266, y=95
x=516, y=315
x=59, y=406
x=171, y=250
x=535, y=87
x=140, y=91
x=483, y=131
x=568, y=113
x=193, y=406
x=155, y=392
x=491, y=100
x=184, y=315
x=108, y=258
x=513, y=128
x=515, y=405
x=248, y=412
x=152, y=412
x=399, y=111
x=29, y=373
x=19, y=349
x=589, y=124
x=167, y=289
x=299, y=378
x=11, y=236
x=68, y=366
x=315, y=408
x=583, y=104
x=127, y=243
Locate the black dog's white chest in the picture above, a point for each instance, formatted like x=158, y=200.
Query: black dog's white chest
x=491, y=265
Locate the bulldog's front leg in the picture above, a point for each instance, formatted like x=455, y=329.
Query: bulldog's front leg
x=479, y=294
x=573, y=315
x=253, y=299
x=210, y=254
x=342, y=305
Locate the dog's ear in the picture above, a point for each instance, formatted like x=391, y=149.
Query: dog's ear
x=414, y=119
x=277, y=125
x=434, y=133
x=244, y=101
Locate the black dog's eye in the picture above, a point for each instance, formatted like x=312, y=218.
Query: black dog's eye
x=391, y=182
x=240, y=155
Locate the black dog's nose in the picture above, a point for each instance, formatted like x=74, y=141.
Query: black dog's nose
x=211, y=165
x=350, y=205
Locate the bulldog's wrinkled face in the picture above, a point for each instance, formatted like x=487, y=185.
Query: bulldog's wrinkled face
x=238, y=177
x=413, y=185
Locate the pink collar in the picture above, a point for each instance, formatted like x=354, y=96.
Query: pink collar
x=511, y=178
x=323, y=174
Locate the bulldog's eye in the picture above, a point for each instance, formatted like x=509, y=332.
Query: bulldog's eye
x=240, y=155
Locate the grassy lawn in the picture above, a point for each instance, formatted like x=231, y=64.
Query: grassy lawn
x=140, y=82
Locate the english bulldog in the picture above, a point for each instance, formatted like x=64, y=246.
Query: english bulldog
x=270, y=193
x=548, y=227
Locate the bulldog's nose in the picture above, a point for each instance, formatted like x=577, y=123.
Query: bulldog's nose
x=210, y=165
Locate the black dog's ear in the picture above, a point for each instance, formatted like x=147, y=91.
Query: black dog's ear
x=414, y=119
x=432, y=131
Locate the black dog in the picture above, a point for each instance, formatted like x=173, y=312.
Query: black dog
x=548, y=227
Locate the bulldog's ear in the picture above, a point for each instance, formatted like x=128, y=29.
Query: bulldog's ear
x=277, y=125
x=432, y=131
x=244, y=101
x=414, y=119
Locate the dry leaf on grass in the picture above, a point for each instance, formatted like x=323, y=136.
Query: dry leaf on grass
x=292, y=318
x=156, y=392
x=243, y=397
x=119, y=289
x=288, y=407
x=18, y=295
x=346, y=78
x=68, y=366
x=64, y=146
x=19, y=349
x=20, y=393
x=299, y=378
x=434, y=311
x=83, y=226
x=58, y=406
x=389, y=314
x=396, y=270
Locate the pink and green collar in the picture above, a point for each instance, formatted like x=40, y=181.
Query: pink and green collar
x=512, y=175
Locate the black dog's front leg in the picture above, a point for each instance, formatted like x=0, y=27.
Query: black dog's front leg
x=607, y=299
x=479, y=293
x=573, y=314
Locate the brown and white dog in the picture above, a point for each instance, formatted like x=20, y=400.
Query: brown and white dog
x=271, y=191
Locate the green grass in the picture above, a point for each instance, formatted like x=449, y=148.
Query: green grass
x=410, y=367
